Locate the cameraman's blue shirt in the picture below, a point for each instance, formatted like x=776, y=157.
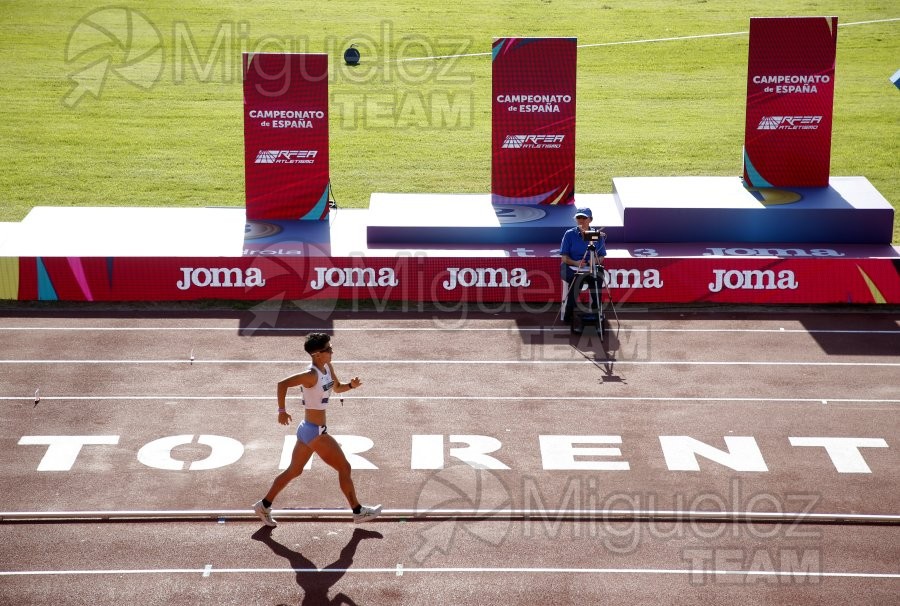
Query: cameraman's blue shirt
x=574, y=247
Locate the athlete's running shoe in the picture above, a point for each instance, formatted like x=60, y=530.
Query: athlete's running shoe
x=265, y=514
x=366, y=514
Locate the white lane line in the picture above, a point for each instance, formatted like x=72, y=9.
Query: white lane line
x=403, y=398
x=643, y=41
x=643, y=328
x=321, y=514
x=207, y=570
x=579, y=361
x=32, y=573
x=460, y=570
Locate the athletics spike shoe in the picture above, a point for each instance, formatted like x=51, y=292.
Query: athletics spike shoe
x=265, y=514
x=367, y=514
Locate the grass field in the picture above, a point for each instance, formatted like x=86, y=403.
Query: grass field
x=157, y=120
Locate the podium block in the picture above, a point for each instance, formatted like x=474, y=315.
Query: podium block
x=720, y=209
x=474, y=219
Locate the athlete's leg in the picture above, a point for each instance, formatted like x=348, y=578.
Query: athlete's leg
x=299, y=458
x=330, y=451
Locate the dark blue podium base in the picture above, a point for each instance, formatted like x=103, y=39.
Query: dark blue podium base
x=720, y=209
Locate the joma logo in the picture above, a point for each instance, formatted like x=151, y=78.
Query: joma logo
x=752, y=279
x=220, y=277
x=486, y=277
x=353, y=276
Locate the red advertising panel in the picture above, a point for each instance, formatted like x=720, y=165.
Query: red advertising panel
x=790, y=98
x=762, y=280
x=286, y=135
x=533, y=113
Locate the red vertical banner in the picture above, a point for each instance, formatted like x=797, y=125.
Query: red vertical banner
x=286, y=135
x=533, y=134
x=790, y=99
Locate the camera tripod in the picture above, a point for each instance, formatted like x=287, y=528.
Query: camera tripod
x=594, y=277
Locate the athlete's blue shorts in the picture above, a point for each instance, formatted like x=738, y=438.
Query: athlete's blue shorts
x=307, y=432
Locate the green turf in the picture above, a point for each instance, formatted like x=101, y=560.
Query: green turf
x=175, y=137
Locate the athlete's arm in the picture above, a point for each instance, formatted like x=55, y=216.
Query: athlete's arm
x=303, y=379
x=342, y=387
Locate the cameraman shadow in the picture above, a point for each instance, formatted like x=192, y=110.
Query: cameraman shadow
x=599, y=343
x=317, y=583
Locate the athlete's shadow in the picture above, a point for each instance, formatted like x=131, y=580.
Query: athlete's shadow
x=316, y=584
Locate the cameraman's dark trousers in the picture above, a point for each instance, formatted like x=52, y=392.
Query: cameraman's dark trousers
x=573, y=289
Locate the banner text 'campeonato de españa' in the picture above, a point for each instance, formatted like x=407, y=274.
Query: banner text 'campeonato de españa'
x=286, y=136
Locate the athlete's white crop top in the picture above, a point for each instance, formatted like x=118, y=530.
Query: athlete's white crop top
x=316, y=397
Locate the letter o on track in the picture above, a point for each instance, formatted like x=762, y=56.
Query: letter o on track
x=158, y=453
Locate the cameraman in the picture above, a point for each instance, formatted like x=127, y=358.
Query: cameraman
x=572, y=250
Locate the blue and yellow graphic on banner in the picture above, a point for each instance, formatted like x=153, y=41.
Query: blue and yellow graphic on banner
x=9, y=278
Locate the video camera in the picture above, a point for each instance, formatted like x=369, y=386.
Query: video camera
x=592, y=235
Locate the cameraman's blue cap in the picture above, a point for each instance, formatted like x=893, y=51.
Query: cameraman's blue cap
x=583, y=212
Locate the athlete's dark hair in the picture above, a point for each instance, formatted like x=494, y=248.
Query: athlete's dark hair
x=316, y=341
